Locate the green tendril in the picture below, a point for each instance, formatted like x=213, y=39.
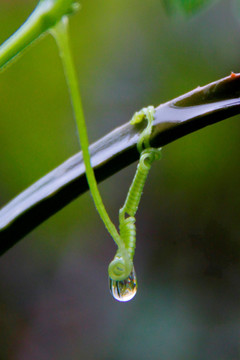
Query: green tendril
x=52, y=16
x=122, y=264
x=144, y=138
x=60, y=32
x=127, y=213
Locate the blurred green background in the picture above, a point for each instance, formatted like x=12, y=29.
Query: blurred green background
x=54, y=297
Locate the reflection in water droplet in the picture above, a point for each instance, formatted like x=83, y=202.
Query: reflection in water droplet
x=124, y=290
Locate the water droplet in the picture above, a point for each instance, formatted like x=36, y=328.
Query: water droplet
x=124, y=290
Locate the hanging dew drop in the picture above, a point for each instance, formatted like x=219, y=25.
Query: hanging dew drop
x=124, y=290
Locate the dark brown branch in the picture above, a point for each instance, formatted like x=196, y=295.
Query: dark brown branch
x=174, y=119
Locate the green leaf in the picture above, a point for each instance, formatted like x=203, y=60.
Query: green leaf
x=188, y=7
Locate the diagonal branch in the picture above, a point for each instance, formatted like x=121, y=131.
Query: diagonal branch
x=173, y=120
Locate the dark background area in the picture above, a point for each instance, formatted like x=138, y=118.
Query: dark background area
x=54, y=297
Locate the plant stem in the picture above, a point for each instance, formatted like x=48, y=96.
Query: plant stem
x=46, y=14
x=60, y=32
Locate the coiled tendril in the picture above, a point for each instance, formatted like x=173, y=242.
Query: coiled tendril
x=121, y=266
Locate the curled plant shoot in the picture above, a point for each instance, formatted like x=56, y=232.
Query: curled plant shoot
x=52, y=16
x=125, y=289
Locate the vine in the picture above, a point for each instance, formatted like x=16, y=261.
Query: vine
x=52, y=16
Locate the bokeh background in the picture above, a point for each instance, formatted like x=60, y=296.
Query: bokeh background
x=54, y=297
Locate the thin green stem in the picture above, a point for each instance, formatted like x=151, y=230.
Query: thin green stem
x=46, y=14
x=25, y=35
x=60, y=32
